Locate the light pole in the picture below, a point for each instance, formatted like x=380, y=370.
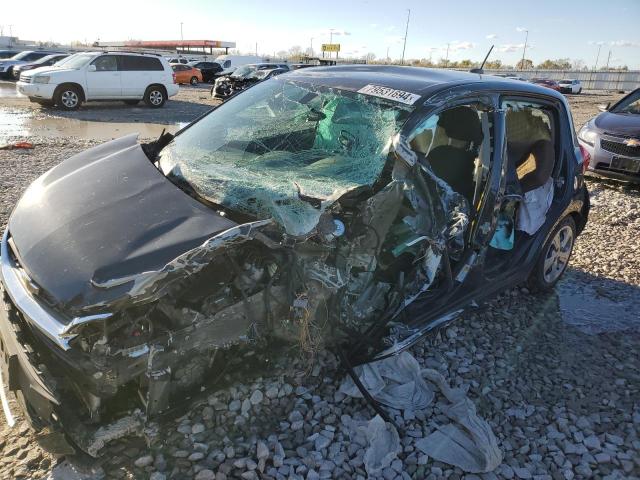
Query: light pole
x=595, y=67
x=181, y=36
x=446, y=59
x=406, y=30
x=312, y=46
x=524, y=50
x=387, y=58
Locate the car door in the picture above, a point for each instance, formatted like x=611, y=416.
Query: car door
x=138, y=73
x=104, y=78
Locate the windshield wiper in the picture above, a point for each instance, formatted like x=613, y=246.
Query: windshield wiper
x=153, y=149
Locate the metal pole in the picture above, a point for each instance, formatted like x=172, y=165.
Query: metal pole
x=312, y=46
x=387, y=58
x=524, y=50
x=181, y=36
x=446, y=60
x=595, y=67
x=406, y=31
x=608, y=58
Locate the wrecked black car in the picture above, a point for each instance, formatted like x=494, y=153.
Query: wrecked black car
x=245, y=77
x=356, y=208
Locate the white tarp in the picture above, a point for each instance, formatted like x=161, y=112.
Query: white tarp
x=398, y=382
x=395, y=382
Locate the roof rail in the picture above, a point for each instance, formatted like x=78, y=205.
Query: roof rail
x=131, y=51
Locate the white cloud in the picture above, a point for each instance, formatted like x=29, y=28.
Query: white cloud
x=456, y=46
x=521, y=29
x=510, y=47
x=373, y=25
x=389, y=28
x=491, y=36
x=624, y=43
x=593, y=42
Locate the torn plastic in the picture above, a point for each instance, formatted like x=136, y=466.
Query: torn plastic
x=471, y=444
x=399, y=383
x=395, y=382
x=383, y=443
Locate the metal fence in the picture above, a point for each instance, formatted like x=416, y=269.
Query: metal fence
x=599, y=80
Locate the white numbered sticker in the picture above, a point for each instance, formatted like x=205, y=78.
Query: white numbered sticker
x=401, y=96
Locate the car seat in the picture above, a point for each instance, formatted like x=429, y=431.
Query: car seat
x=530, y=164
x=454, y=164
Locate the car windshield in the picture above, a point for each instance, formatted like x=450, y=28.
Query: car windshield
x=75, y=61
x=629, y=104
x=21, y=55
x=285, y=150
x=243, y=71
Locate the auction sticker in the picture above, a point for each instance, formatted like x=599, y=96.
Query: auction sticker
x=401, y=96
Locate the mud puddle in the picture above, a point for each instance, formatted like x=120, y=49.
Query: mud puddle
x=22, y=125
x=9, y=90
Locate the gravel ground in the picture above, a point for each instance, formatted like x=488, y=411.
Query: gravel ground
x=556, y=376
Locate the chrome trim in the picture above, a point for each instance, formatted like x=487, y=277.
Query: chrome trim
x=5, y=404
x=34, y=312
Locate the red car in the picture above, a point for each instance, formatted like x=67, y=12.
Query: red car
x=552, y=84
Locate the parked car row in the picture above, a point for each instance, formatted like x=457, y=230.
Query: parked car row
x=567, y=85
x=9, y=63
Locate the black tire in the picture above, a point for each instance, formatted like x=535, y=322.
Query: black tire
x=554, y=256
x=579, y=91
x=131, y=102
x=155, y=96
x=68, y=97
x=9, y=73
x=194, y=81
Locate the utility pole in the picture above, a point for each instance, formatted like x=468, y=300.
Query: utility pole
x=406, y=31
x=312, y=46
x=256, y=49
x=595, y=67
x=524, y=50
x=181, y=36
x=387, y=57
x=608, y=58
x=10, y=36
x=446, y=60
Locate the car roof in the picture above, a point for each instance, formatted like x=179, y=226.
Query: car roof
x=418, y=80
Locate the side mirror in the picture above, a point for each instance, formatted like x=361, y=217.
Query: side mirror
x=91, y=68
x=604, y=108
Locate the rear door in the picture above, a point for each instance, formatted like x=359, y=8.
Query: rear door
x=138, y=72
x=105, y=80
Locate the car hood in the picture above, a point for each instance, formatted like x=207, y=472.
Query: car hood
x=618, y=123
x=52, y=69
x=9, y=62
x=103, y=214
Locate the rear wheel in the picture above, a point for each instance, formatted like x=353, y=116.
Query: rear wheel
x=554, y=257
x=194, y=81
x=68, y=98
x=155, y=96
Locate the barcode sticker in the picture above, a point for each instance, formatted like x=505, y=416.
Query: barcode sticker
x=401, y=96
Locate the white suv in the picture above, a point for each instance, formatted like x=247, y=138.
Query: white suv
x=101, y=76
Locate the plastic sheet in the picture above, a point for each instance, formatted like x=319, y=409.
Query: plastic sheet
x=383, y=443
x=395, y=382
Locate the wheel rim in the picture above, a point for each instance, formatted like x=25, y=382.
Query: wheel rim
x=194, y=81
x=558, y=253
x=155, y=97
x=69, y=98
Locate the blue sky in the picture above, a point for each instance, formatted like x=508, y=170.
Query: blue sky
x=573, y=29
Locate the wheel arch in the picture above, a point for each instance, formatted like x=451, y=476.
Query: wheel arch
x=83, y=97
x=164, y=89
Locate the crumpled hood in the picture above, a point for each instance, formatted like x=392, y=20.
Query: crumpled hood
x=618, y=123
x=103, y=214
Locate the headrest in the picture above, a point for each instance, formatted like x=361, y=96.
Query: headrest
x=462, y=123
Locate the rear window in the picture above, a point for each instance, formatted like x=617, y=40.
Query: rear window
x=130, y=62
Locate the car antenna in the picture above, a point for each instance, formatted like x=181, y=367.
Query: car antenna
x=480, y=70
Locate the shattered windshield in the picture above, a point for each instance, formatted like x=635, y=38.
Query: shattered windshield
x=285, y=150
x=242, y=72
